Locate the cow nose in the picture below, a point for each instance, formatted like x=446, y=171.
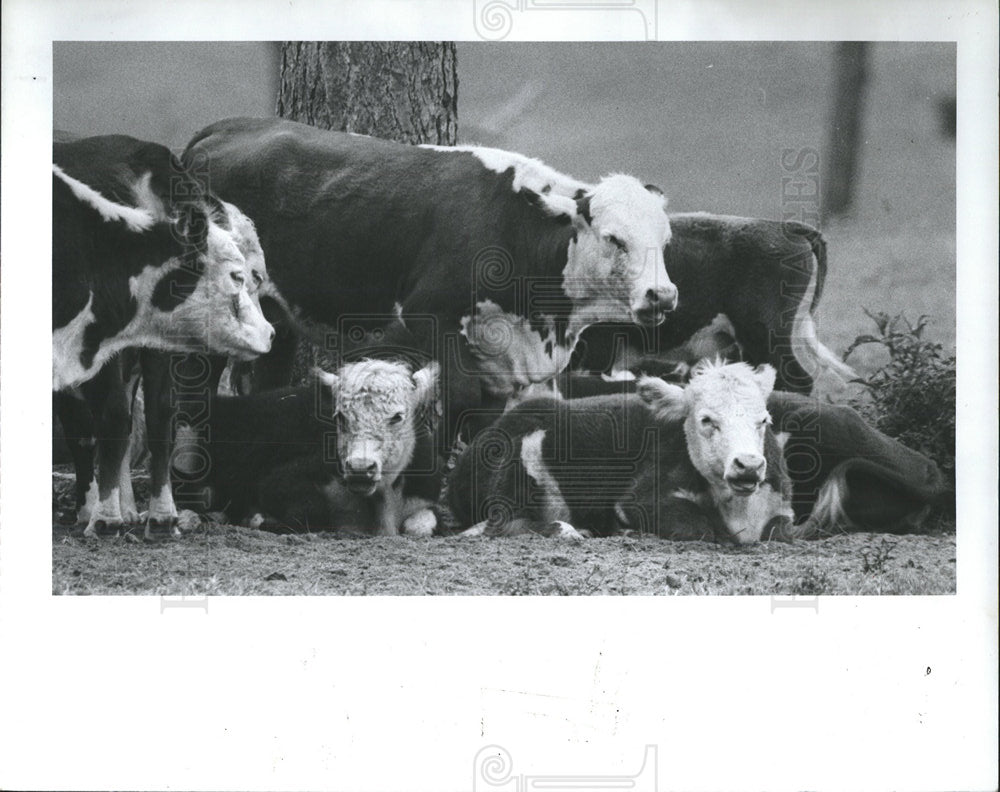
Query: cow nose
x=663, y=298
x=362, y=466
x=745, y=465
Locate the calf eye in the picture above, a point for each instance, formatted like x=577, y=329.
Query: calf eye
x=616, y=242
x=397, y=418
x=237, y=277
x=258, y=279
x=708, y=423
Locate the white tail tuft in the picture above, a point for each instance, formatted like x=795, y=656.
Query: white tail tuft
x=813, y=356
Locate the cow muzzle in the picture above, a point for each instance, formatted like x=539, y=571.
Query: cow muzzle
x=651, y=309
x=746, y=473
x=362, y=474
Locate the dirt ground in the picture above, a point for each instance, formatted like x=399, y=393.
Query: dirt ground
x=213, y=559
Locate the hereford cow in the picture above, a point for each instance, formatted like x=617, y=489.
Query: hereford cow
x=697, y=462
x=143, y=256
x=353, y=449
x=355, y=227
x=765, y=276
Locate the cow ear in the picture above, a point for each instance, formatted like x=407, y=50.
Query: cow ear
x=663, y=398
x=425, y=383
x=331, y=381
x=652, y=188
x=765, y=375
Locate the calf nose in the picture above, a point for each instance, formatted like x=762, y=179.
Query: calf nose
x=362, y=466
x=746, y=465
x=663, y=298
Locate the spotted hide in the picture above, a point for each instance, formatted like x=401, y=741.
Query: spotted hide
x=138, y=261
x=644, y=462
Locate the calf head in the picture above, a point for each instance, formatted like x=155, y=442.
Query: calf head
x=724, y=409
x=378, y=408
x=616, y=270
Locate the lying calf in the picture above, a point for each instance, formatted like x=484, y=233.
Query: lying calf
x=695, y=462
x=353, y=450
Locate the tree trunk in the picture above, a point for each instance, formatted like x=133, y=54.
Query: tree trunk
x=405, y=91
x=851, y=64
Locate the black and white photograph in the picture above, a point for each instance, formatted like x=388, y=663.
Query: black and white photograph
x=526, y=304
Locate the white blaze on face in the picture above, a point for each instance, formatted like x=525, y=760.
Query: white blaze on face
x=726, y=421
x=616, y=270
x=378, y=404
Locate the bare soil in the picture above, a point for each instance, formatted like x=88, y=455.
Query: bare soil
x=213, y=559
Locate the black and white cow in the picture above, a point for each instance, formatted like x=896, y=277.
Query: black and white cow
x=355, y=227
x=353, y=450
x=143, y=257
x=765, y=276
x=699, y=462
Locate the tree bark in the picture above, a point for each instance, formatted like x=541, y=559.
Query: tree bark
x=851, y=65
x=405, y=91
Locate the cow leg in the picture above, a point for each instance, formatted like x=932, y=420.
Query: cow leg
x=388, y=504
x=159, y=432
x=78, y=427
x=108, y=399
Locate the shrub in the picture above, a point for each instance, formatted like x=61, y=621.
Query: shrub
x=912, y=397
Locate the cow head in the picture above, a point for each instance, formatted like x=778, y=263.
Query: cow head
x=724, y=409
x=378, y=407
x=616, y=270
x=212, y=297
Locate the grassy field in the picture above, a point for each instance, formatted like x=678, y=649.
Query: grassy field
x=707, y=122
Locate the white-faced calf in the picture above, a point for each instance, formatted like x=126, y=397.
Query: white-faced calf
x=352, y=451
x=699, y=462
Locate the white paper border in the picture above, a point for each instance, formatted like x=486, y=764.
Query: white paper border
x=388, y=693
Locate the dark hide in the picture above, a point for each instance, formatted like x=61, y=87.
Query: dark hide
x=756, y=272
x=609, y=457
x=275, y=453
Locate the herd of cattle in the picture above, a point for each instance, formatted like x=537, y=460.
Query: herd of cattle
x=517, y=351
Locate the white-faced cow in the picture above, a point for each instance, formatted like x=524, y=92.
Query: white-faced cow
x=700, y=462
x=142, y=257
x=353, y=450
x=765, y=276
x=357, y=227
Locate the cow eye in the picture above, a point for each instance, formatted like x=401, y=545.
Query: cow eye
x=397, y=418
x=258, y=279
x=238, y=278
x=708, y=423
x=616, y=242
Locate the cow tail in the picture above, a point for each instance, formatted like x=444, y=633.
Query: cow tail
x=812, y=355
x=818, y=244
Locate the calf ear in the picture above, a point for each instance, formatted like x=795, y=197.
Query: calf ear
x=663, y=398
x=425, y=384
x=765, y=375
x=658, y=192
x=332, y=381
x=583, y=209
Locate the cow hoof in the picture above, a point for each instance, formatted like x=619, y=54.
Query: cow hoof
x=422, y=523
x=188, y=520
x=563, y=530
x=161, y=528
x=103, y=527
x=476, y=530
